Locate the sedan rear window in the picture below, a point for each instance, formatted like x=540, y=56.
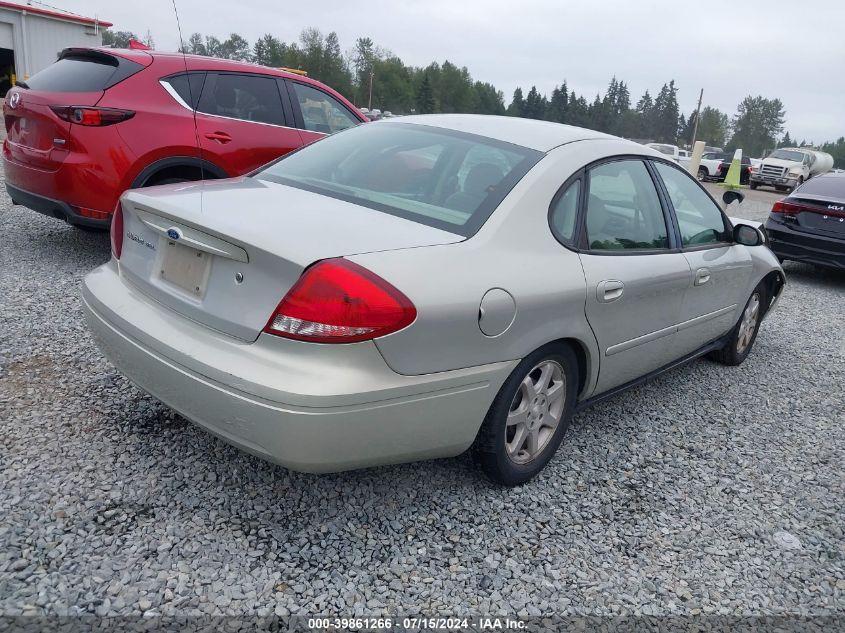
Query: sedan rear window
x=829, y=186
x=442, y=178
x=83, y=73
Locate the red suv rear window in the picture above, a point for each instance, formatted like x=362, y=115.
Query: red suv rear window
x=83, y=73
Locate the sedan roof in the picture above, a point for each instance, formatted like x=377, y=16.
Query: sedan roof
x=531, y=133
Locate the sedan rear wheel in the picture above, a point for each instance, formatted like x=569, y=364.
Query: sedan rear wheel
x=529, y=416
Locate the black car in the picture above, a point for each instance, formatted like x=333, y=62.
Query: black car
x=745, y=169
x=809, y=224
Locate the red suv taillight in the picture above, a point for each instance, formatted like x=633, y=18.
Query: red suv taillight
x=117, y=232
x=338, y=301
x=92, y=117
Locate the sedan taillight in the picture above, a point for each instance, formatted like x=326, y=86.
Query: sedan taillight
x=117, y=232
x=792, y=208
x=90, y=116
x=338, y=301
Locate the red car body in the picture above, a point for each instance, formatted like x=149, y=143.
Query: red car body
x=101, y=121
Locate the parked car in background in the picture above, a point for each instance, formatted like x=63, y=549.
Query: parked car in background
x=725, y=165
x=708, y=169
x=385, y=314
x=100, y=121
x=789, y=167
x=809, y=224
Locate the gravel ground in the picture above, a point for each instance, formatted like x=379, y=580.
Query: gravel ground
x=667, y=500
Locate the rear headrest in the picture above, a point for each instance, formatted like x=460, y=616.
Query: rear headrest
x=481, y=177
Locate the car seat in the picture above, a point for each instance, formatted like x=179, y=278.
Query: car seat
x=479, y=182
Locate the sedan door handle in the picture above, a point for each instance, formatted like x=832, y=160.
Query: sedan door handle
x=220, y=137
x=702, y=276
x=609, y=290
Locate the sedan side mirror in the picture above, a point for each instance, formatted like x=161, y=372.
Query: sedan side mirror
x=747, y=235
x=732, y=196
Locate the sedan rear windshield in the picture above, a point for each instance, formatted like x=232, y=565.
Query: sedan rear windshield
x=442, y=178
x=831, y=186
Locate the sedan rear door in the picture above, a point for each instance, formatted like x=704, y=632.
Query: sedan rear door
x=636, y=280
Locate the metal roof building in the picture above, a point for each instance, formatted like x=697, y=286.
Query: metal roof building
x=31, y=37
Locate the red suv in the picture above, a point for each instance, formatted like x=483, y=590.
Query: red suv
x=100, y=121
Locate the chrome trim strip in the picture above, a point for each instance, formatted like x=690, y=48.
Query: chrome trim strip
x=172, y=92
x=705, y=317
x=653, y=336
x=191, y=236
x=640, y=340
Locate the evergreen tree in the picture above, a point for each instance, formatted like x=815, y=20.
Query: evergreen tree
x=535, y=105
x=786, y=141
x=517, y=106
x=666, y=113
x=425, y=96
x=558, y=104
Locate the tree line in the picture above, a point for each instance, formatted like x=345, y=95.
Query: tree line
x=371, y=76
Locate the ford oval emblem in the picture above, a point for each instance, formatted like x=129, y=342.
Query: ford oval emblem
x=174, y=234
x=14, y=99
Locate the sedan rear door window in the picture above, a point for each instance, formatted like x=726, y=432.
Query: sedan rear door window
x=623, y=209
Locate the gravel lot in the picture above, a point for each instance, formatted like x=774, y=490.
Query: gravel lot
x=667, y=500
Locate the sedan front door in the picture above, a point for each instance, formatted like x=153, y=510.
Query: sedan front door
x=636, y=280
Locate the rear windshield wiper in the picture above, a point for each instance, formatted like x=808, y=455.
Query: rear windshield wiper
x=22, y=84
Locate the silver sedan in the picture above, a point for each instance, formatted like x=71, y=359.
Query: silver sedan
x=414, y=289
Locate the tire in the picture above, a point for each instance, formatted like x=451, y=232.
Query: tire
x=798, y=184
x=504, y=452
x=742, y=338
x=702, y=174
x=753, y=185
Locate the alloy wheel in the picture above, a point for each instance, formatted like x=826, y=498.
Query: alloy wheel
x=748, y=324
x=535, y=412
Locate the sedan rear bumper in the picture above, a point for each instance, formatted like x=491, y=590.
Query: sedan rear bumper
x=313, y=408
x=802, y=246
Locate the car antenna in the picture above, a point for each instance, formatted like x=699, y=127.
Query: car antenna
x=190, y=95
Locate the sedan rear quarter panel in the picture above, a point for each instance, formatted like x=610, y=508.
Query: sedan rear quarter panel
x=515, y=251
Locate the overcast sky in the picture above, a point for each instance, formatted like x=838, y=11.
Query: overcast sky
x=775, y=48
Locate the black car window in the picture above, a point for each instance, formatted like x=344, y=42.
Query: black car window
x=188, y=87
x=829, y=186
x=701, y=221
x=83, y=73
x=246, y=97
x=322, y=112
x=623, y=210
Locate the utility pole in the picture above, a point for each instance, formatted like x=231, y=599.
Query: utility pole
x=697, y=116
x=370, y=102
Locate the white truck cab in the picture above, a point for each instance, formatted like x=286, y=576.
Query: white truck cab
x=788, y=167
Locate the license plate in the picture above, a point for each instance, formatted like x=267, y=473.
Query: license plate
x=185, y=267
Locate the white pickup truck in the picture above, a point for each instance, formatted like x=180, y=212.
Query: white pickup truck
x=680, y=156
x=786, y=168
x=708, y=168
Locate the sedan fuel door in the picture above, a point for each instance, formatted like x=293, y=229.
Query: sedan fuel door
x=721, y=268
x=636, y=280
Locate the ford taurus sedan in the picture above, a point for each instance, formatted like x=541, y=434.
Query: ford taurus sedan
x=410, y=290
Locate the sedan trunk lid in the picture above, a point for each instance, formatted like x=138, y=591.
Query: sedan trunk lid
x=224, y=253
